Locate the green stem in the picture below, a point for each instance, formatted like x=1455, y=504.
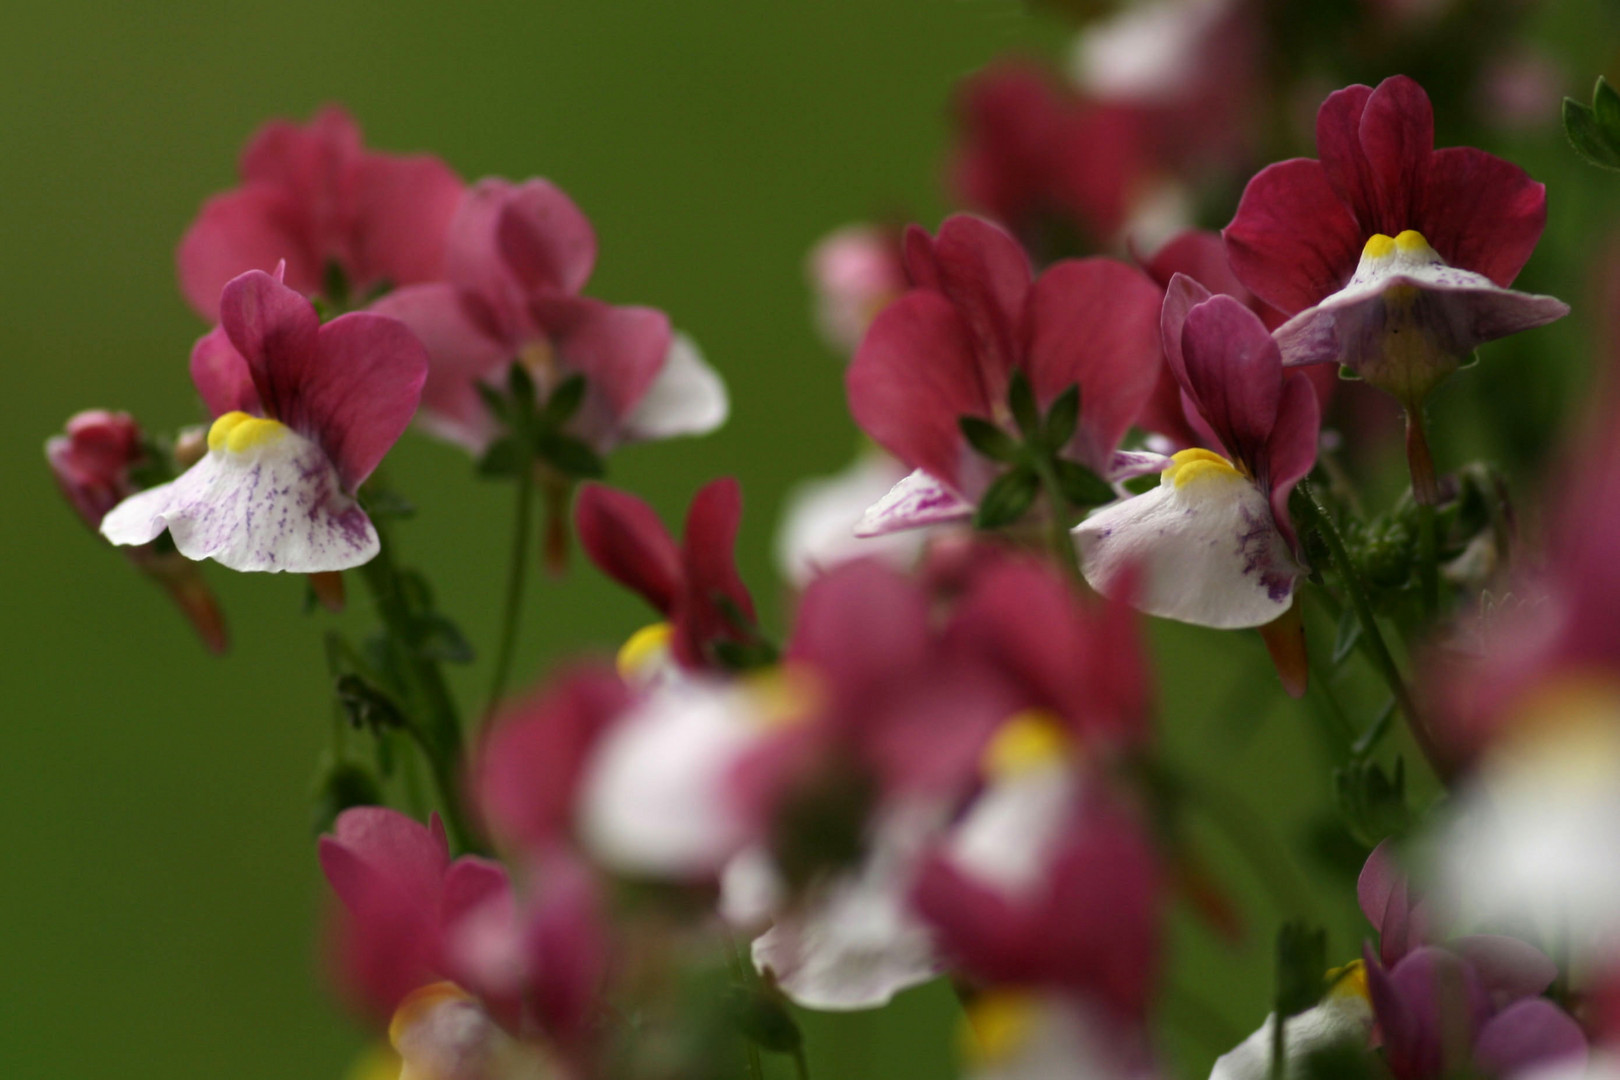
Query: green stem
x=1057, y=528
x=434, y=723
x=516, y=572
x=1372, y=637
x=801, y=1062
x=1279, y=1046
x=1428, y=562
x=1426, y=492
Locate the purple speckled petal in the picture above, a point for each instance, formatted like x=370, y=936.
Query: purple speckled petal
x=919, y=499
x=1129, y=464
x=276, y=506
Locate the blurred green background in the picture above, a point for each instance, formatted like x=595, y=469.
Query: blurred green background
x=161, y=896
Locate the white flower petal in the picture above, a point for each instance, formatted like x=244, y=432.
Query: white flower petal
x=1047, y=1037
x=853, y=942
x=818, y=523
x=1005, y=838
x=443, y=1034
x=1209, y=547
x=1340, y=1017
x=654, y=800
x=918, y=499
x=687, y=398
x=275, y=505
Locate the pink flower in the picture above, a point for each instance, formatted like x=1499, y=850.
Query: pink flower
x=518, y=256
x=694, y=586
x=949, y=348
x=313, y=196
x=1215, y=538
x=401, y=898
x=1395, y=256
x=854, y=272
x=304, y=412
x=93, y=463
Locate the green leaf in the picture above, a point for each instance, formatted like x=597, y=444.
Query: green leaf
x=497, y=403
x=569, y=456
x=1021, y=397
x=437, y=638
x=1301, y=960
x=335, y=285
x=506, y=456
x=1080, y=485
x=339, y=787
x=520, y=386
x=1008, y=499
x=1594, y=130
x=1606, y=109
x=1348, y=374
x=367, y=706
x=990, y=440
x=564, y=401
x=1347, y=636
x=1062, y=418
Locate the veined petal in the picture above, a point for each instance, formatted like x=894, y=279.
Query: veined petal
x=1206, y=539
x=687, y=397
x=654, y=800
x=917, y=500
x=817, y=530
x=263, y=498
x=1292, y=241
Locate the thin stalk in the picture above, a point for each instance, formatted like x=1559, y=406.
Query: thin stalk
x=1057, y=528
x=1372, y=637
x=516, y=574
x=1279, y=1046
x=1426, y=492
x=801, y=1063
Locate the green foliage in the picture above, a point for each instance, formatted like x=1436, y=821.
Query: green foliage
x=1301, y=959
x=1594, y=130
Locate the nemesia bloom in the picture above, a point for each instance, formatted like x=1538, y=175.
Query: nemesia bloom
x=1393, y=258
x=1344, y=1015
x=949, y=347
x=854, y=272
x=304, y=413
x=819, y=519
x=92, y=462
x=1214, y=538
x=314, y=197
x=518, y=256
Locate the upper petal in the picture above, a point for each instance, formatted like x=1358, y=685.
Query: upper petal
x=1234, y=375
x=1482, y=213
x=1397, y=136
x=222, y=377
x=361, y=395
x=404, y=206
x=241, y=230
x=619, y=349
x=1292, y=240
x=985, y=274
x=624, y=538
x=547, y=242
x=1344, y=159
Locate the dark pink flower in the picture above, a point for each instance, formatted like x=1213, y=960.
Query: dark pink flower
x=518, y=256
x=312, y=195
x=948, y=349
x=694, y=586
x=305, y=412
x=93, y=463
x=401, y=898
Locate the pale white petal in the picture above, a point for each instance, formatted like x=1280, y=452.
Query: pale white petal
x=818, y=522
x=277, y=505
x=654, y=800
x=1129, y=464
x=918, y=499
x=1005, y=838
x=1149, y=51
x=751, y=891
x=1339, y=1018
x=1050, y=1038
x=443, y=1034
x=1209, y=548
x=853, y=943
x=687, y=398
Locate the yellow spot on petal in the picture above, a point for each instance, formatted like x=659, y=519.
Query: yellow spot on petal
x=1379, y=246
x=646, y=649
x=237, y=431
x=1189, y=465
x=223, y=427
x=785, y=694
x=418, y=1003
x=1411, y=242
x=1029, y=740
x=1348, y=981
x=999, y=1023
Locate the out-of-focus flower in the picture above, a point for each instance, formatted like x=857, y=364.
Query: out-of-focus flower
x=949, y=349
x=1214, y=539
x=1023, y=1035
x=440, y=1032
x=694, y=586
x=313, y=196
x=819, y=519
x=854, y=273
x=304, y=412
x=1059, y=171
x=92, y=462
x=518, y=255
x=1344, y=1015
x=401, y=896
x=1396, y=257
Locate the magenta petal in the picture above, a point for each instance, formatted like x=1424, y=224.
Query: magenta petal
x=1201, y=256
x=1344, y=159
x=221, y=375
x=1290, y=452
x=568, y=950
x=859, y=623
x=1441, y=1002
x=360, y=397
x=1234, y=373
x=1181, y=295
x=374, y=841
x=1292, y=241
x=1508, y=968
x=238, y=231
x=546, y=241
x=460, y=354
x=1482, y=213
x=1095, y=322
x=1397, y=136
x=619, y=350
x=624, y=538
x=405, y=206
x=1527, y=1034
x=978, y=931
x=984, y=272
x=712, y=595
x=306, y=158
x=912, y=378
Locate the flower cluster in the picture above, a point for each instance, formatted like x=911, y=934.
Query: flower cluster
x=947, y=765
